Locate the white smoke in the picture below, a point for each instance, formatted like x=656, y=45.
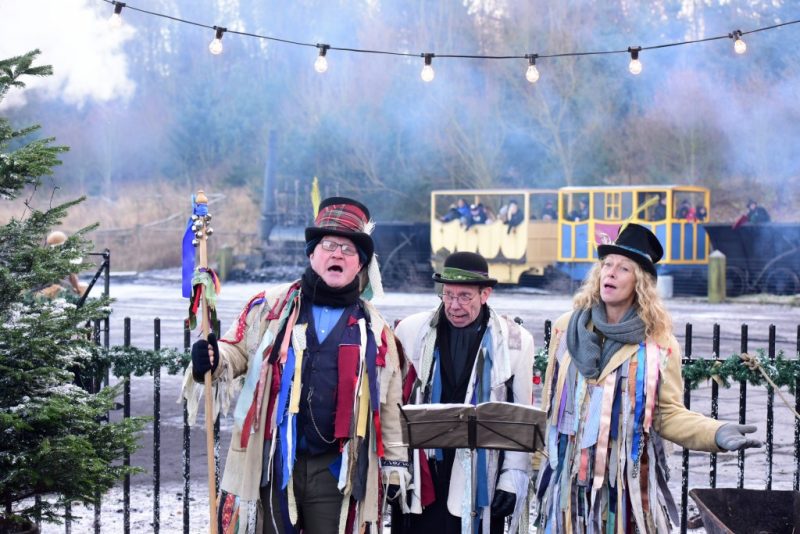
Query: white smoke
x=74, y=37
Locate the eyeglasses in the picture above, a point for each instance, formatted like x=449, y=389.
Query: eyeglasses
x=331, y=246
x=462, y=298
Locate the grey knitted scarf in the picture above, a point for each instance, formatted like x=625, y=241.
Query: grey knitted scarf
x=585, y=345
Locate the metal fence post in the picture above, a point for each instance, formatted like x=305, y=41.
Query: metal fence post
x=742, y=409
x=712, y=474
x=187, y=440
x=770, y=410
x=687, y=402
x=126, y=413
x=796, y=481
x=156, y=429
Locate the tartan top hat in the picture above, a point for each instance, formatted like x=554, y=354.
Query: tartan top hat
x=465, y=268
x=637, y=243
x=344, y=217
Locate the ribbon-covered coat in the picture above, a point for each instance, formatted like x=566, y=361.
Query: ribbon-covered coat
x=270, y=319
x=606, y=467
x=508, y=352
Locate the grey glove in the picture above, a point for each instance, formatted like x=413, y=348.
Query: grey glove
x=731, y=437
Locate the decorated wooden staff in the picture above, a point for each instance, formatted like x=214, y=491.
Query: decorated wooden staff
x=202, y=286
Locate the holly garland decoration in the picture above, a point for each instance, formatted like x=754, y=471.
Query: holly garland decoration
x=783, y=371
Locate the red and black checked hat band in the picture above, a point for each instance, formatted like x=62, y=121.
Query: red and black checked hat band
x=347, y=217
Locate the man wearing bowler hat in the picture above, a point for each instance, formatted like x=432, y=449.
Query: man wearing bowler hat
x=462, y=351
x=317, y=445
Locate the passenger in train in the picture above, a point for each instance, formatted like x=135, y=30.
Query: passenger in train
x=463, y=351
x=613, y=393
x=581, y=213
x=458, y=211
x=685, y=210
x=756, y=214
x=477, y=215
x=660, y=209
x=700, y=213
x=549, y=212
x=514, y=216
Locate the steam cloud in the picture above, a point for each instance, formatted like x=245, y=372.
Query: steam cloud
x=86, y=53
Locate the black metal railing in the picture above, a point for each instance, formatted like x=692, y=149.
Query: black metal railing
x=688, y=358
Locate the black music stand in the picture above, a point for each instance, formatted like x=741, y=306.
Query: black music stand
x=490, y=425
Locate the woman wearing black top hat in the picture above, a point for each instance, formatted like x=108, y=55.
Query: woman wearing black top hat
x=613, y=392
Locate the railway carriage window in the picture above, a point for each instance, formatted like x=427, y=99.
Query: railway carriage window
x=579, y=212
x=656, y=211
x=611, y=208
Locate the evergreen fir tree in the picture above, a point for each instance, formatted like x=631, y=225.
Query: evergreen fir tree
x=54, y=440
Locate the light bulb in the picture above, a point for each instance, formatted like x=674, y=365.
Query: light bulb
x=321, y=63
x=739, y=46
x=115, y=20
x=635, y=66
x=532, y=74
x=215, y=47
x=427, y=73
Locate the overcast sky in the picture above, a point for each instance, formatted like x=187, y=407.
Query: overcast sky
x=74, y=37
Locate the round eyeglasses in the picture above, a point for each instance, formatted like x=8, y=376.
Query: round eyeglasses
x=462, y=298
x=331, y=246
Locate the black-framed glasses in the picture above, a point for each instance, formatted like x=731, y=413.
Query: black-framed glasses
x=331, y=246
x=462, y=298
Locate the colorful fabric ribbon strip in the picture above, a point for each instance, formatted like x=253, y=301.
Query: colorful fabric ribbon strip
x=187, y=249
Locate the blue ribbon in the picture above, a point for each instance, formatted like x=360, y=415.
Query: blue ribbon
x=187, y=250
x=640, y=400
x=282, y=419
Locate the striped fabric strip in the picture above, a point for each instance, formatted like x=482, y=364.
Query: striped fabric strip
x=601, y=454
x=653, y=353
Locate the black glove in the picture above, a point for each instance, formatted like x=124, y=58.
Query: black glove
x=201, y=363
x=503, y=503
x=392, y=492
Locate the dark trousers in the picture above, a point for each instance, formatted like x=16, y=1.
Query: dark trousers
x=319, y=501
x=436, y=518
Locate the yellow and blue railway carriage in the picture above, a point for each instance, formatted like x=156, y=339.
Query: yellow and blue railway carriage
x=558, y=230
x=514, y=229
x=675, y=213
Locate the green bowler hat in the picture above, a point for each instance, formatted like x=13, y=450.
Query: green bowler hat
x=466, y=268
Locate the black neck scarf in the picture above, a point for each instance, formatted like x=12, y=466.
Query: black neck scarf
x=457, y=368
x=318, y=292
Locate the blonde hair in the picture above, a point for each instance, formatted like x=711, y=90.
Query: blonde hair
x=649, y=306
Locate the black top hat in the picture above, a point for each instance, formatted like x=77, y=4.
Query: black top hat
x=344, y=217
x=637, y=243
x=465, y=268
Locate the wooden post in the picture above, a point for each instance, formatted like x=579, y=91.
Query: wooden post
x=225, y=263
x=716, y=277
x=209, y=401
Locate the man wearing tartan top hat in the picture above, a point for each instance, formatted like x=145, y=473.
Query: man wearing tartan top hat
x=462, y=351
x=317, y=445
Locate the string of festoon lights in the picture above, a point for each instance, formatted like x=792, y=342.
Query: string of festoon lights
x=427, y=74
